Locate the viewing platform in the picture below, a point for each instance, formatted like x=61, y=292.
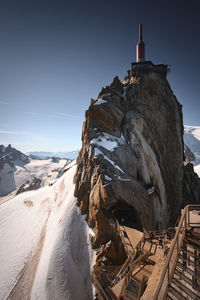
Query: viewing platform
x=152, y=275
x=145, y=67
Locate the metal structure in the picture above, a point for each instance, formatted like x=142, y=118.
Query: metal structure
x=140, y=48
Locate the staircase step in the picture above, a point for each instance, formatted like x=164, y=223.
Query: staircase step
x=130, y=294
x=190, y=253
x=186, y=290
x=175, y=293
x=130, y=297
x=193, y=241
x=191, y=262
x=181, y=276
x=187, y=270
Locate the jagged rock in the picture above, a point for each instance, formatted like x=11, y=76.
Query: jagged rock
x=189, y=155
x=11, y=156
x=191, y=186
x=192, y=139
x=55, y=159
x=131, y=158
x=30, y=185
x=9, y=159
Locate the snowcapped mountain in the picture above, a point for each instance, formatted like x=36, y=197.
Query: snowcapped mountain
x=45, y=250
x=17, y=169
x=42, y=154
x=192, y=140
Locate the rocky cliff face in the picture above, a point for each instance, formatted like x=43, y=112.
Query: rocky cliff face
x=131, y=159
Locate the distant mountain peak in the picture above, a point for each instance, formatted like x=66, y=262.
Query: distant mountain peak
x=192, y=140
x=45, y=154
x=11, y=156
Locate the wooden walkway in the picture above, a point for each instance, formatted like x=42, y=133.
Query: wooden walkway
x=179, y=279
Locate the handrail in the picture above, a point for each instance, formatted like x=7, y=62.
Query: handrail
x=129, y=259
x=133, y=266
x=175, y=248
x=105, y=292
x=141, y=286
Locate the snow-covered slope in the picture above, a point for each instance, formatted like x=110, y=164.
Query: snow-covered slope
x=192, y=140
x=42, y=154
x=13, y=175
x=45, y=252
x=47, y=170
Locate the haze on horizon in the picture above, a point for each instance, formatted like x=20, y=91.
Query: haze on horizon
x=56, y=55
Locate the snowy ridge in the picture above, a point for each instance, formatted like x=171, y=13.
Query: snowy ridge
x=45, y=251
x=11, y=178
x=192, y=140
x=108, y=141
x=42, y=154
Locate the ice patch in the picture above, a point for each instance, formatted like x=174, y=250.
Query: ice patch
x=108, y=141
x=99, y=152
x=108, y=178
x=100, y=101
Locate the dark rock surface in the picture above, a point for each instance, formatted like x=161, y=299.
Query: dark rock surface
x=132, y=155
x=191, y=186
x=189, y=155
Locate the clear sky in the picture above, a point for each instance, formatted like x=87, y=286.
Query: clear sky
x=56, y=55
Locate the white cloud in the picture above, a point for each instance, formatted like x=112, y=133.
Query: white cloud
x=14, y=132
x=3, y=102
x=65, y=116
x=31, y=113
x=39, y=138
x=54, y=115
x=33, y=135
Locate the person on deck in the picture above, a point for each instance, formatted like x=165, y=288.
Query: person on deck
x=136, y=252
x=151, y=236
x=160, y=242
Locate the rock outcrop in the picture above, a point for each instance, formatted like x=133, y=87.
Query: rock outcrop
x=192, y=139
x=30, y=185
x=189, y=155
x=9, y=159
x=131, y=158
x=191, y=186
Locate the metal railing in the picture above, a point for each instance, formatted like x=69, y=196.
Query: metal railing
x=168, y=271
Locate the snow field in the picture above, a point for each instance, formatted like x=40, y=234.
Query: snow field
x=64, y=255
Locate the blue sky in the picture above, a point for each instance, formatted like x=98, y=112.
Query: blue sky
x=56, y=55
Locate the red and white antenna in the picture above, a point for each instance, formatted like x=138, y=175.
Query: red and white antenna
x=140, y=48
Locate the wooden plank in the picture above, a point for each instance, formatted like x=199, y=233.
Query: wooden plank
x=189, y=262
x=182, y=276
x=175, y=293
x=188, y=270
x=190, y=253
x=186, y=290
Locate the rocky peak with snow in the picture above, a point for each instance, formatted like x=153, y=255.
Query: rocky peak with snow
x=11, y=156
x=131, y=158
x=19, y=173
x=189, y=155
x=192, y=139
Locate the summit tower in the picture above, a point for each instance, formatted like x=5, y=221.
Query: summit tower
x=140, y=48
